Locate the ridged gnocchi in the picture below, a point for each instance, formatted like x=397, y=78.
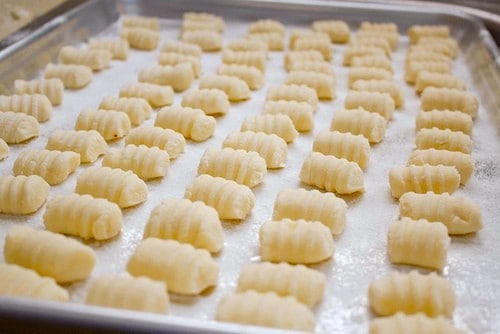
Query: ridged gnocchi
x=299, y=93
x=36, y=105
x=375, y=60
x=360, y=122
x=266, y=25
x=421, y=179
x=311, y=205
x=50, y=254
x=53, y=166
x=256, y=59
x=72, y=76
x=412, y=324
x=173, y=58
x=218, y=21
x=382, y=86
x=230, y=199
x=332, y=174
x=16, y=128
x=418, y=242
x=179, y=77
x=323, y=84
x=247, y=168
x=278, y=124
x=292, y=57
x=367, y=73
x=245, y=44
x=274, y=40
x=269, y=146
x=207, y=40
x=301, y=113
x=116, y=185
x=141, y=38
x=300, y=33
x=109, y=123
x=21, y=195
x=412, y=293
x=130, y=293
x=146, y=162
x=89, y=144
x=182, y=47
x=443, y=140
x=22, y=282
x=419, y=54
x=166, y=139
x=459, y=214
x=252, y=76
x=148, y=22
x=380, y=103
x=391, y=36
x=378, y=26
x=312, y=66
x=136, y=108
x=353, y=51
x=235, y=88
x=378, y=41
x=345, y=145
x=191, y=123
x=414, y=68
x=444, y=119
x=318, y=43
x=449, y=99
x=295, y=241
x=338, y=31
x=117, y=47
x=192, y=25
x=183, y=268
x=265, y=309
x=415, y=32
x=156, y=95
x=52, y=88
x=448, y=43
x=96, y=59
x=185, y=221
x=433, y=79
x=212, y=101
x=299, y=281
x=83, y=216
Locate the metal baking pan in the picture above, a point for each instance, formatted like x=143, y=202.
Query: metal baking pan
x=473, y=261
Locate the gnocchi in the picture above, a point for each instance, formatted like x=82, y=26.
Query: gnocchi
x=449, y=42
x=252, y=76
x=121, y=187
x=88, y=144
x=419, y=55
x=191, y=123
x=382, y=86
x=83, y=216
x=444, y=119
x=360, y=122
x=433, y=79
x=338, y=31
x=414, y=68
x=312, y=66
x=299, y=93
x=52, y=88
x=16, y=128
x=256, y=59
x=391, y=36
x=172, y=58
x=301, y=56
x=449, y=99
x=378, y=26
x=380, y=103
x=207, y=40
x=415, y=32
x=136, y=108
x=353, y=51
x=179, y=77
x=212, y=101
x=192, y=25
x=245, y=44
x=109, y=123
x=117, y=47
x=375, y=60
x=296, y=34
x=266, y=25
x=205, y=17
x=21, y=195
x=141, y=38
x=345, y=145
x=156, y=95
x=367, y=73
x=235, y=88
x=96, y=59
x=378, y=41
x=166, y=139
x=322, y=83
x=318, y=43
x=279, y=124
x=412, y=324
x=36, y=105
x=148, y=22
x=301, y=113
x=443, y=140
x=72, y=76
x=182, y=47
x=273, y=39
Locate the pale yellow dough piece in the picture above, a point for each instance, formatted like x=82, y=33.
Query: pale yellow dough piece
x=279, y=124
x=189, y=222
x=319, y=43
x=299, y=281
x=16, y=128
x=235, y=88
x=360, y=122
x=449, y=99
x=230, y=199
x=110, y=124
x=52, y=88
x=275, y=41
x=245, y=44
x=439, y=80
x=247, y=168
x=207, y=40
x=332, y=174
x=323, y=84
x=218, y=21
x=53, y=166
x=256, y=59
x=182, y=47
x=444, y=119
x=412, y=324
x=96, y=59
x=265, y=309
x=83, y=216
x=378, y=41
x=253, y=77
x=148, y=22
x=183, y=268
x=421, y=54
x=421, y=179
x=4, y=149
x=380, y=103
x=448, y=45
x=17, y=281
x=179, y=77
x=443, y=140
x=191, y=123
x=312, y=66
x=292, y=57
x=375, y=60
x=459, y=214
x=73, y=76
x=301, y=113
x=141, y=38
x=301, y=33
x=299, y=93
x=415, y=32
x=378, y=26
x=367, y=73
x=166, y=139
x=21, y=195
x=118, y=47
x=353, y=51
x=193, y=25
x=130, y=293
x=50, y=254
x=266, y=25
x=295, y=241
x=345, y=145
x=391, y=36
x=414, y=68
x=136, y=108
x=173, y=58
x=116, y=185
x=311, y=205
x=211, y=101
x=338, y=31
x=156, y=95
x=88, y=144
x=390, y=87
x=418, y=242
x=412, y=293
x=36, y=105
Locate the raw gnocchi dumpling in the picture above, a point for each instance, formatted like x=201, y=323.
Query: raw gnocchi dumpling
x=166, y=139
x=36, y=105
x=117, y=47
x=433, y=79
x=130, y=293
x=464, y=163
x=110, y=124
x=299, y=281
x=301, y=113
x=88, y=144
x=83, y=216
x=278, y=124
x=299, y=93
x=378, y=41
x=148, y=22
x=302, y=33
x=415, y=32
x=52, y=88
x=218, y=21
x=230, y=199
x=392, y=37
x=73, y=76
x=317, y=43
x=156, y=95
x=295, y=241
x=247, y=168
x=183, y=268
x=421, y=179
x=146, y=162
x=182, y=47
x=4, y=149
x=207, y=40
x=353, y=51
x=345, y=145
x=292, y=57
x=360, y=122
x=449, y=99
x=21, y=195
x=375, y=60
x=245, y=44
x=253, y=77
x=420, y=54
x=414, y=68
x=193, y=25
x=378, y=26
x=189, y=222
x=265, y=309
x=235, y=88
x=173, y=58
x=443, y=140
x=312, y=66
x=412, y=324
x=137, y=109
x=212, y=101
x=448, y=45
x=367, y=73
x=459, y=214
x=311, y=205
x=382, y=86
x=418, y=242
x=274, y=40
x=141, y=38
x=266, y=25
x=380, y=103
x=332, y=174
x=116, y=185
x=444, y=119
x=412, y=293
x=50, y=254
x=191, y=123
x=16, y=128
x=269, y=146
x=322, y=83
x=337, y=30
x=96, y=59
x=53, y=166
x=179, y=77
x=22, y=282
x=256, y=59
